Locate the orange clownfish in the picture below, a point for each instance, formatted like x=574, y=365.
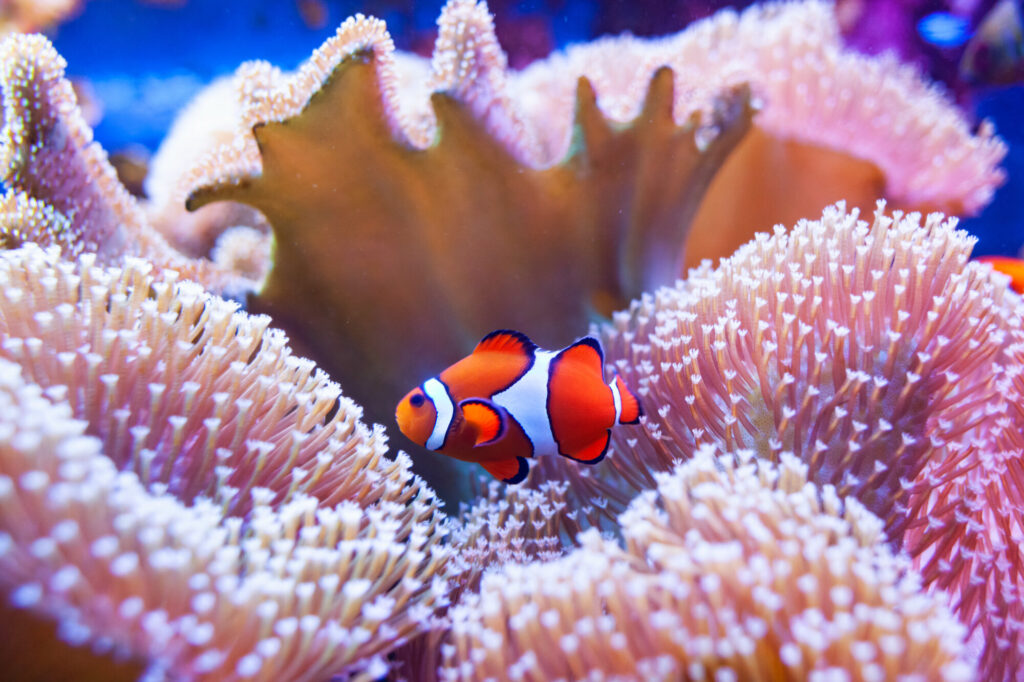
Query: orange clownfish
x=1012, y=267
x=509, y=401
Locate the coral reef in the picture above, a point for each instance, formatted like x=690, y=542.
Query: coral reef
x=733, y=569
x=177, y=487
x=454, y=178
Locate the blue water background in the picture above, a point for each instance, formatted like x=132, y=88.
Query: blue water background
x=145, y=61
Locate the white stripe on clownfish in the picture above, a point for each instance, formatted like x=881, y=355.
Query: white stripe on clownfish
x=438, y=394
x=616, y=399
x=522, y=399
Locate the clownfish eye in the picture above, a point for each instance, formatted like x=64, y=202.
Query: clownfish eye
x=416, y=400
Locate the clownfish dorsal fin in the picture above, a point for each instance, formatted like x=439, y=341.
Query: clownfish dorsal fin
x=506, y=341
x=510, y=470
x=586, y=351
x=486, y=418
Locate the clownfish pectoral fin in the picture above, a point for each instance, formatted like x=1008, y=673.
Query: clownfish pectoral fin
x=630, y=409
x=593, y=452
x=511, y=470
x=487, y=419
x=506, y=341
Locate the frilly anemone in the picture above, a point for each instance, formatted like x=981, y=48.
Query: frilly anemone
x=874, y=352
x=733, y=568
x=177, y=487
x=210, y=486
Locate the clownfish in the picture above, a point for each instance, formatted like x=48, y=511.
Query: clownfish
x=510, y=401
x=1012, y=267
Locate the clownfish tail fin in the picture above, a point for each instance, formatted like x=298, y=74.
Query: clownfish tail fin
x=629, y=409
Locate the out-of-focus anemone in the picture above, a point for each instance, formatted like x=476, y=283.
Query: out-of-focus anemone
x=833, y=124
x=49, y=162
x=876, y=354
x=967, y=530
x=210, y=119
x=34, y=15
x=734, y=568
x=243, y=250
x=176, y=486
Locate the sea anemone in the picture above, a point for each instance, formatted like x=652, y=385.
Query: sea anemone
x=49, y=162
x=177, y=487
x=443, y=189
x=876, y=354
x=734, y=568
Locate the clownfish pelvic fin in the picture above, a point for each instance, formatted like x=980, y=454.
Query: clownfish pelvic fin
x=593, y=452
x=510, y=470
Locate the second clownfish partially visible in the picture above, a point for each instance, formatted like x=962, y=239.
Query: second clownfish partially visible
x=1012, y=267
x=509, y=401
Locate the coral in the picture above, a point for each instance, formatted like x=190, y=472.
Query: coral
x=176, y=486
x=456, y=177
x=455, y=188
x=733, y=568
x=451, y=201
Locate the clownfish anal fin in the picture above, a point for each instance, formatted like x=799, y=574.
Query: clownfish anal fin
x=506, y=341
x=510, y=470
x=593, y=452
x=486, y=419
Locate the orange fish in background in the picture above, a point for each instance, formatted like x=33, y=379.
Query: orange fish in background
x=1012, y=267
x=509, y=401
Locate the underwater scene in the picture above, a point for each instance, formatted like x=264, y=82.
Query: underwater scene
x=522, y=340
